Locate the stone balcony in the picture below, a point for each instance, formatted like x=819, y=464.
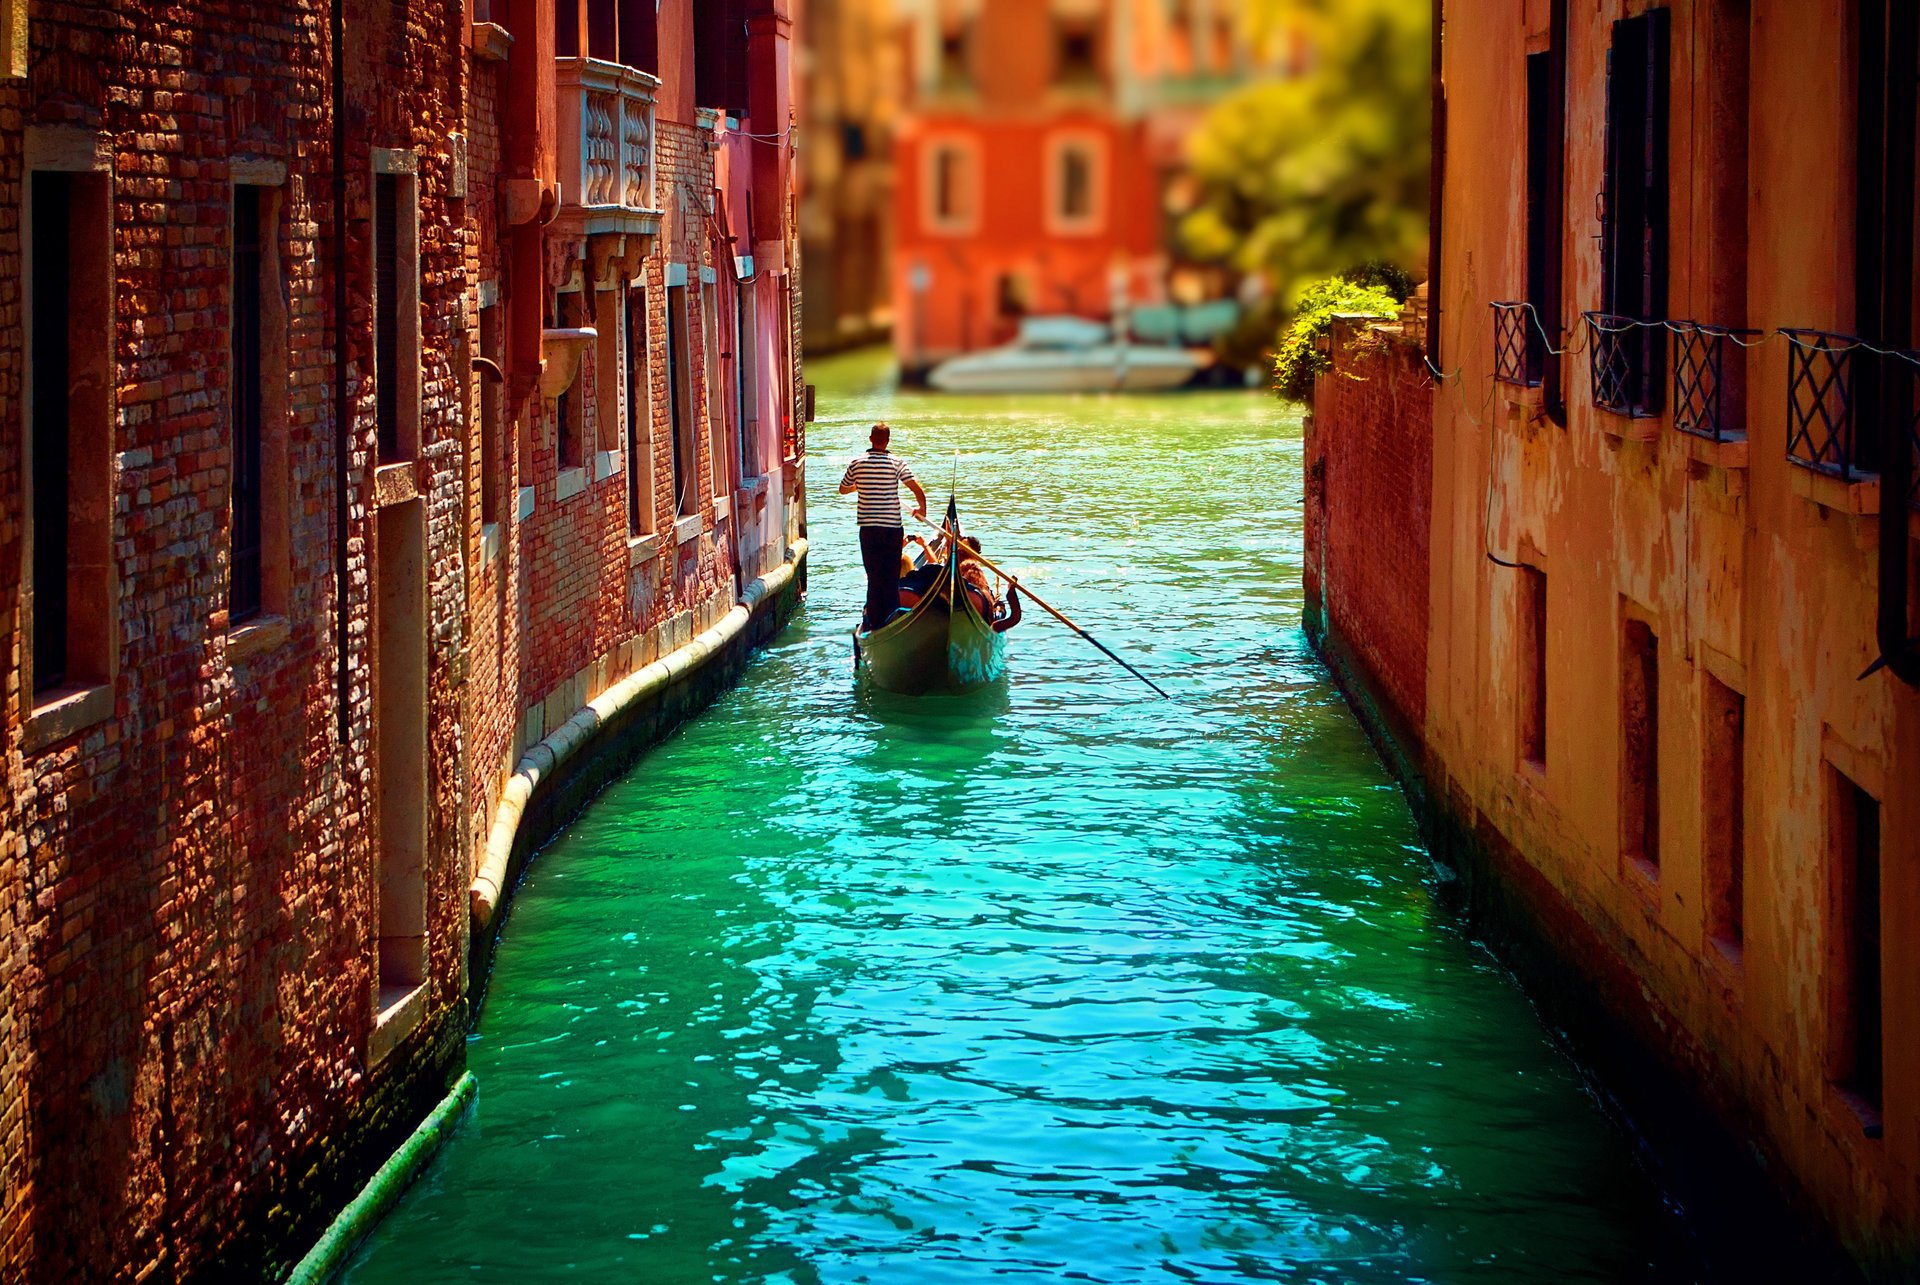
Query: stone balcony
x=608, y=170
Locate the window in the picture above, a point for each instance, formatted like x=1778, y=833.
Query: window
x=396, y=311
x=400, y=747
x=1544, y=156
x=566, y=29
x=1640, y=746
x=246, y=408
x=949, y=175
x=720, y=55
x=1857, y=1048
x=567, y=410
x=679, y=401
x=718, y=465
x=639, y=38
x=602, y=25
x=70, y=429
x=745, y=346
x=1076, y=54
x=492, y=451
x=259, y=524
x=1634, y=207
x=1073, y=185
x=953, y=71
x=1531, y=656
x=1724, y=778
x=1884, y=222
x=639, y=436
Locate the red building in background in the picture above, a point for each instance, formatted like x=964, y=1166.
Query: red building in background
x=1040, y=153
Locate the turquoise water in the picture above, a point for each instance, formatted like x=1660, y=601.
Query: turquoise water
x=1057, y=982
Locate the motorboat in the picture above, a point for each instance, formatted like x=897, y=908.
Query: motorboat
x=1066, y=355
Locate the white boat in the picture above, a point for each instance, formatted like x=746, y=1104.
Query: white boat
x=1066, y=355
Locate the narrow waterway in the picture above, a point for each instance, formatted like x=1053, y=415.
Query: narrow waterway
x=1059, y=982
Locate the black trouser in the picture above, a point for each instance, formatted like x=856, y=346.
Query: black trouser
x=880, y=554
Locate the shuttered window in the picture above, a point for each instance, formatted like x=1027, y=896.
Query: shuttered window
x=720, y=55
x=679, y=391
x=639, y=442
x=639, y=43
x=1634, y=200
x=386, y=312
x=1540, y=143
x=247, y=411
x=51, y=258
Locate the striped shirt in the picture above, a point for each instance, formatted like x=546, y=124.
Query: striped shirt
x=879, y=475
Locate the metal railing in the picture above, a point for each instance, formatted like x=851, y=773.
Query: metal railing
x=1624, y=356
x=1822, y=424
x=1517, y=350
x=606, y=152
x=1708, y=398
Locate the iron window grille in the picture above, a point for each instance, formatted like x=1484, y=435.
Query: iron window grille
x=1624, y=362
x=1701, y=404
x=1822, y=422
x=1517, y=355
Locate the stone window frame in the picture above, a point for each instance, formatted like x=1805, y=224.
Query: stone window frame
x=1093, y=146
x=59, y=713
x=269, y=628
x=490, y=429
x=13, y=39
x=402, y=165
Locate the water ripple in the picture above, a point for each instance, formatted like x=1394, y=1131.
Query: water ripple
x=1052, y=983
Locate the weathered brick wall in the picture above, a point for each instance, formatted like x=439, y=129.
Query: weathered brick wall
x=192, y=1075
x=1369, y=464
x=186, y=889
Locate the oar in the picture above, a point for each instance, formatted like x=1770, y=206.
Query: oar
x=1062, y=617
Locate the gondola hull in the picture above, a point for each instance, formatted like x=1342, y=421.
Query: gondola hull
x=943, y=644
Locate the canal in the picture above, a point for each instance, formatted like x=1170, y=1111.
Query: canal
x=1060, y=982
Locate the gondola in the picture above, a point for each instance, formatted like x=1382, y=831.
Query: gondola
x=941, y=644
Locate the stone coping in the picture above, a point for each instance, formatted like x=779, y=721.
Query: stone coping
x=330, y=1253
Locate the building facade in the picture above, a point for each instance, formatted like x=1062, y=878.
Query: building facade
x=850, y=103
x=385, y=384
x=1651, y=467
x=1038, y=156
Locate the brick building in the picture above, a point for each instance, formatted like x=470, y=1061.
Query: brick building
x=1660, y=703
x=397, y=386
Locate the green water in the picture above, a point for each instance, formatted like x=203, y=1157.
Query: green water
x=1052, y=983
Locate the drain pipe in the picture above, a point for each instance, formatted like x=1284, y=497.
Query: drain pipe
x=342, y=415
x=1899, y=652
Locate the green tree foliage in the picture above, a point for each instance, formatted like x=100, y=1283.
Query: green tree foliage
x=1299, y=358
x=1318, y=174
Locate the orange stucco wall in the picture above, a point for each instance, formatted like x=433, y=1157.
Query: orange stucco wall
x=1748, y=569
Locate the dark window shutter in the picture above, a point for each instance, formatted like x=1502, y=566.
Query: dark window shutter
x=386, y=313
x=52, y=280
x=720, y=55
x=1634, y=196
x=639, y=36
x=638, y=407
x=601, y=27
x=243, y=584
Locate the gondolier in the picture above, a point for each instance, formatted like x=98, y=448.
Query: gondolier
x=877, y=478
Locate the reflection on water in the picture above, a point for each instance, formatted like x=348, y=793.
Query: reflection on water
x=1054, y=981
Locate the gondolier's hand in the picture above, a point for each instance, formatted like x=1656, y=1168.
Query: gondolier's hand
x=920, y=510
